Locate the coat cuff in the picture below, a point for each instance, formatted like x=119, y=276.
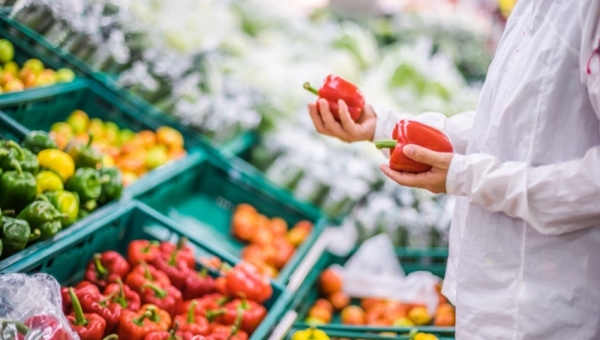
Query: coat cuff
x=455, y=184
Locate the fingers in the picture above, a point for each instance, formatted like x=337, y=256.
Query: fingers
x=420, y=154
x=328, y=120
x=316, y=119
x=347, y=122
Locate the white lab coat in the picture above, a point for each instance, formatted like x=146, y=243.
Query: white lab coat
x=525, y=237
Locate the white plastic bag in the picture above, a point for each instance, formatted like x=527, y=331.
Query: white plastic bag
x=375, y=272
x=23, y=297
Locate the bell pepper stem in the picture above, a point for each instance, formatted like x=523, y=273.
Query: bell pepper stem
x=191, y=313
x=310, y=88
x=89, y=143
x=35, y=234
x=111, y=337
x=147, y=273
x=121, y=298
x=21, y=328
x=173, y=332
x=139, y=321
x=181, y=243
x=211, y=314
x=154, y=317
x=107, y=298
x=12, y=144
x=100, y=270
x=17, y=166
x=222, y=300
x=147, y=248
x=238, y=320
x=173, y=258
x=385, y=144
x=203, y=273
x=80, y=319
x=160, y=293
x=8, y=213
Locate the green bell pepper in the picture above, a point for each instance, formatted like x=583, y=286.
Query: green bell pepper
x=65, y=202
x=14, y=235
x=86, y=183
x=11, y=155
x=37, y=141
x=49, y=229
x=112, y=184
x=39, y=213
x=17, y=189
x=29, y=162
x=85, y=156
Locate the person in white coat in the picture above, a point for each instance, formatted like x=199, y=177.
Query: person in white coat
x=525, y=237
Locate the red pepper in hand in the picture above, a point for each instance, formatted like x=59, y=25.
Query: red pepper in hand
x=412, y=132
x=142, y=251
x=176, y=270
x=198, y=284
x=136, y=325
x=104, y=307
x=190, y=322
x=89, y=326
x=184, y=252
x=105, y=268
x=83, y=287
x=144, y=273
x=335, y=88
x=123, y=295
x=252, y=314
x=245, y=281
x=168, y=299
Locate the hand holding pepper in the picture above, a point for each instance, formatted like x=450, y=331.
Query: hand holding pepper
x=346, y=129
x=336, y=90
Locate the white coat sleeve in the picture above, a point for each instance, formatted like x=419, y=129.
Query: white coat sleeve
x=554, y=199
x=457, y=127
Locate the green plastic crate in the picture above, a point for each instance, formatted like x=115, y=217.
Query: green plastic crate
x=66, y=260
x=25, y=39
x=10, y=130
x=412, y=259
x=202, y=195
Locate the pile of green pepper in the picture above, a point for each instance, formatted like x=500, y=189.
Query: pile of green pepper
x=44, y=189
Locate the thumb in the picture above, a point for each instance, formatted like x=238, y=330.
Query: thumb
x=424, y=155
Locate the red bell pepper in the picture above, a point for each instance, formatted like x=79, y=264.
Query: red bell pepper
x=136, y=325
x=105, y=268
x=252, y=314
x=144, y=273
x=171, y=335
x=123, y=295
x=83, y=287
x=335, y=88
x=104, y=307
x=89, y=326
x=412, y=132
x=222, y=332
x=176, y=270
x=221, y=285
x=190, y=322
x=184, y=252
x=142, y=251
x=198, y=284
x=203, y=304
x=168, y=299
x=245, y=281
x=39, y=327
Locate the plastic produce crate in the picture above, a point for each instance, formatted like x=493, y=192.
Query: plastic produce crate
x=66, y=260
x=26, y=39
x=305, y=286
x=341, y=334
x=202, y=196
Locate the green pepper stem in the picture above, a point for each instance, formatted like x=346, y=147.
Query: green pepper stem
x=111, y=337
x=8, y=213
x=147, y=248
x=181, y=243
x=147, y=273
x=17, y=166
x=310, y=88
x=12, y=144
x=173, y=332
x=107, y=298
x=191, y=313
x=89, y=143
x=80, y=319
x=35, y=234
x=238, y=320
x=385, y=144
x=160, y=293
x=140, y=320
x=203, y=273
x=100, y=270
x=211, y=314
x=222, y=300
x=154, y=317
x=21, y=328
x=121, y=298
x=173, y=258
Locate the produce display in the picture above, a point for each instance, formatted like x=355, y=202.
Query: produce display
x=372, y=311
x=271, y=244
x=44, y=190
x=32, y=73
x=155, y=292
x=105, y=143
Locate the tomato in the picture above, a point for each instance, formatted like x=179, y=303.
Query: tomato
x=245, y=208
x=353, y=315
x=262, y=236
x=278, y=226
x=324, y=303
x=339, y=300
x=283, y=252
x=243, y=225
x=445, y=308
x=444, y=319
x=330, y=281
x=320, y=312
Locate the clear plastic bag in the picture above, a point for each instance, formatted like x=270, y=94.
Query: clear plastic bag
x=33, y=301
x=374, y=271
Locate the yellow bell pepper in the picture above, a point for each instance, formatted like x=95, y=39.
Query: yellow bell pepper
x=419, y=316
x=48, y=181
x=425, y=336
x=58, y=161
x=310, y=334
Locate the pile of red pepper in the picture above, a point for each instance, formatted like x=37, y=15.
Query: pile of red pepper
x=156, y=294
x=271, y=244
